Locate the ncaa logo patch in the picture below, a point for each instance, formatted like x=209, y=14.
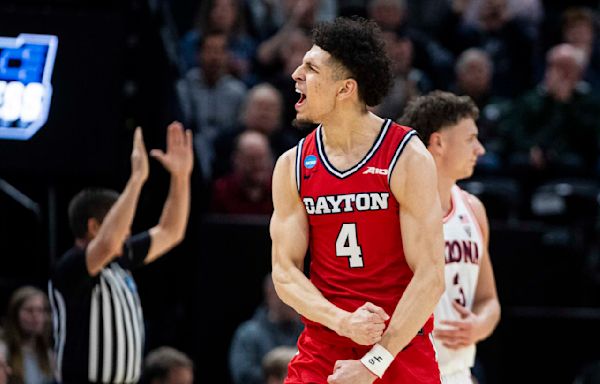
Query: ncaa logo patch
x=26, y=64
x=310, y=161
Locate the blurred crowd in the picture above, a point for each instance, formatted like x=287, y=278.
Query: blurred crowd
x=532, y=67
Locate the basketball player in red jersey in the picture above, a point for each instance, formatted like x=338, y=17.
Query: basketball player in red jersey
x=469, y=310
x=361, y=193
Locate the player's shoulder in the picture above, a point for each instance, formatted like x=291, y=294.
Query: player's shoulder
x=284, y=171
x=476, y=206
x=473, y=201
x=288, y=157
x=415, y=155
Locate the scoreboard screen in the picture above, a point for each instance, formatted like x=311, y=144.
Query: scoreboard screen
x=62, y=104
x=26, y=64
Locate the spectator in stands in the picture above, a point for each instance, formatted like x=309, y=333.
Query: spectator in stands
x=529, y=11
x=296, y=14
x=5, y=370
x=166, y=365
x=262, y=112
x=263, y=18
x=409, y=82
x=291, y=55
x=97, y=313
x=28, y=337
x=428, y=55
x=555, y=127
x=210, y=98
x=474, y=71
x=510, y=43
x=275, y=364
x=226, y=17
x=247, y=188
x=274, y=324
x=267, y=17
x=579, y=30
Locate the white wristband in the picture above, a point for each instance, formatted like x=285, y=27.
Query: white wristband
x=377, y=360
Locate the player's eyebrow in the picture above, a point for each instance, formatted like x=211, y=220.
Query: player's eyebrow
x=311, y=65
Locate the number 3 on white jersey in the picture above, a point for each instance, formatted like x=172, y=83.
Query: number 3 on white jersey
x=346, y=245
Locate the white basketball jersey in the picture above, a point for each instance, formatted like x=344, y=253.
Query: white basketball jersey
x=463, y=251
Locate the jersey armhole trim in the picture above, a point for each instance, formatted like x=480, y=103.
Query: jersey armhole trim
x=450, y=214
x=465, y=198
x=399, y=150
x=298, y=169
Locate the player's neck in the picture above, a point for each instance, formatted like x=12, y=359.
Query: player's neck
x=345, y=131
x=445, y=185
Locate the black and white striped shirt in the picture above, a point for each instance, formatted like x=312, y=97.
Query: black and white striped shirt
x=98, y=321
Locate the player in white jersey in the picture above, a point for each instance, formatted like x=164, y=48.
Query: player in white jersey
x=469, y=310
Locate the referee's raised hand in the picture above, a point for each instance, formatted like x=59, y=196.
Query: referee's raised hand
x=139, y=157
x=179, y=157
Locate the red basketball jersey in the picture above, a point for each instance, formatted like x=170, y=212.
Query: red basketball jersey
x=355, y=241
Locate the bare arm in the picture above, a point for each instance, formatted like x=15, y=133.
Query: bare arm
x=289, y=234
x=178, y=160
x=486, y=305
x=115, y=227
x=414, y=184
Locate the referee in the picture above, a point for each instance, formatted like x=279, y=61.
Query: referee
x=96, y=312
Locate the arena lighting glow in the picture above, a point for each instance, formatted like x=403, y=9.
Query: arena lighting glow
x=26, y=64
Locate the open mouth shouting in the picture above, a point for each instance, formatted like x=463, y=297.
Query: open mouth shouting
x=302, y=99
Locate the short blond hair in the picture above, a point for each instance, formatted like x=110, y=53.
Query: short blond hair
x=276, y=361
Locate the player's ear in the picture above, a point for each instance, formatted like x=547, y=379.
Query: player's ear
x=435, y=144
x=347, y=88
x=93, y=226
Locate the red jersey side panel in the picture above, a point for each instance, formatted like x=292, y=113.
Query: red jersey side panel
x=355, y=241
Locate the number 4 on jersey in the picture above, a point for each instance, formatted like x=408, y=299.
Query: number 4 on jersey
x=346, y=245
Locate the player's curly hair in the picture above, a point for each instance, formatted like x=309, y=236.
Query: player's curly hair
x=436, y=110
x=356, y=43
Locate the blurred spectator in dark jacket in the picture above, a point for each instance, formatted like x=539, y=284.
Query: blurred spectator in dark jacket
x=226, y=17
x=291, y=55
x=247, y=188
x=408, y=82
x=210, y=98
x=269, y=16
x=529, y=11
x=474, y=71
x=298, y=14
x=579, y=30
x=274, y=324
x=555, y=127
x=428, y=55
